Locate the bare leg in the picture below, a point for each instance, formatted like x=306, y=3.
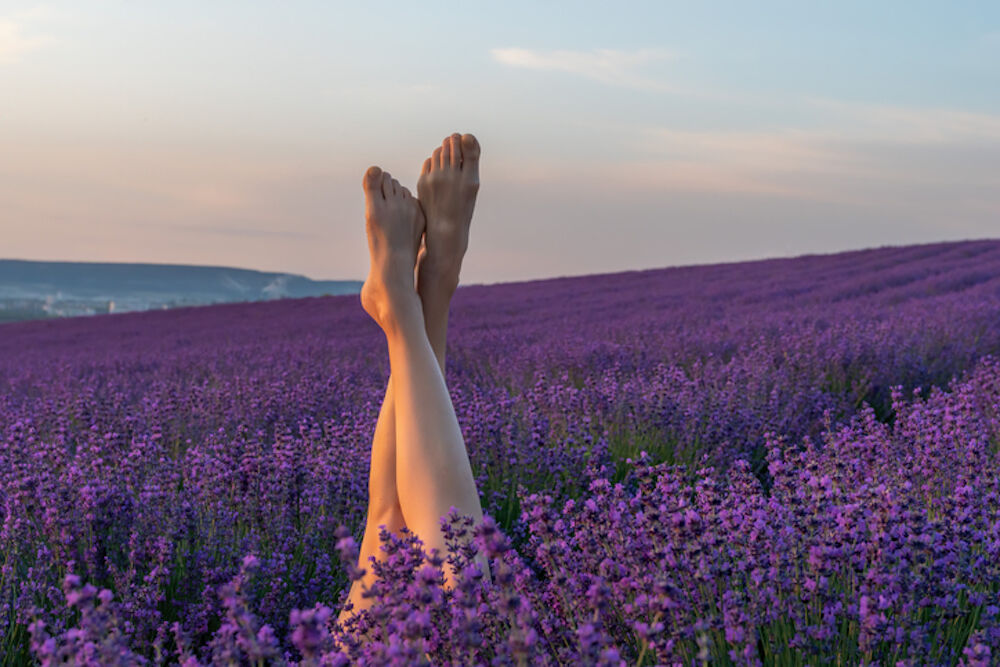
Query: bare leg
x=433, y=472
x=388, y=204
x=385, y=199
x=447, y=187
x=448, y=184
x=383, y=499
x=383, y=502
x=430, y=481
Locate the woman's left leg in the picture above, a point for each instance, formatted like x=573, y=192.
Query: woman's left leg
x=383, y=501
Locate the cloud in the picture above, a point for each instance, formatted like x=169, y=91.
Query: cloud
x=14, y=42
x=248, y=232
x=604, y=65
x=421, y=89
x=16, y=39
x=981, y=50
x=911, y=125
x=859, y=154
x=841, y=153
x=40, y=13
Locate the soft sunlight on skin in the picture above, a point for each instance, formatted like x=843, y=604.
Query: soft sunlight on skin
x=420, y=468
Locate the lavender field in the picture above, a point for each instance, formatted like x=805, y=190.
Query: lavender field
x=784, y=462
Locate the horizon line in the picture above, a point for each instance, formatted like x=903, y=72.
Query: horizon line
x=516, y=280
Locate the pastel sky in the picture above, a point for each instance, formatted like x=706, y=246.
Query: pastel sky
x=615, y=135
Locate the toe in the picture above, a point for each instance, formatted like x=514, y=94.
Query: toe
x=446, y=152
x=372, y=182
x=386, y=184
x=456, y=149
x=470, y=155
x=426, y=168
x=470, y=148
x=396, y=187
x=436, y=158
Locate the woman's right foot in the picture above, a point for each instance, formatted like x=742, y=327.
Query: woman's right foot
x=447, y=188
x=395, y=224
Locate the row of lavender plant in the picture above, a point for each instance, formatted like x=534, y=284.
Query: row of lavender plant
x=880, y=545
x=149, y=454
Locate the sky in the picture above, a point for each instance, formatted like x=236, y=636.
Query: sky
x=615, y=136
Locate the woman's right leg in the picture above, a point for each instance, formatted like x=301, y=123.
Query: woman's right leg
x=447, y=189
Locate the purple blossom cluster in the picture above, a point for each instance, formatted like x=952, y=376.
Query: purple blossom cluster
x=789, y=461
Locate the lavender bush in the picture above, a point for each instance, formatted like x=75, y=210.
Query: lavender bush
x=779, y=462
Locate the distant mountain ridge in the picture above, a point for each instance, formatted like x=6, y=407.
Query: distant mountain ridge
x=30, y=288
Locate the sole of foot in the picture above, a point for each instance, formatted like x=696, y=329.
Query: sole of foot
x=447, y=188
x=395, y=225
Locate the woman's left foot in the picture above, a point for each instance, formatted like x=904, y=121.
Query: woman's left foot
x=395, y=224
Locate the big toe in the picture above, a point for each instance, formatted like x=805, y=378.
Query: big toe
x=470, y=153
x=372, y=181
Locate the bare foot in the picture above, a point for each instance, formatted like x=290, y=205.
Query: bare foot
x=447, y=189
x=395, y=224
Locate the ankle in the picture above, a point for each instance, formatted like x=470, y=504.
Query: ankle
x=392, y=306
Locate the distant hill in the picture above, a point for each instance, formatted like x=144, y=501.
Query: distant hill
x=44, y=289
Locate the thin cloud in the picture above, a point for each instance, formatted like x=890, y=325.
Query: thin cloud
x=14, y=43
x=860, y=151
x=41, y=13
x=17, y=39
x=247, y=232
x=986, y=45
x=850, y=154
x=608, y=66
x=421, y=89
x=912, y=125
